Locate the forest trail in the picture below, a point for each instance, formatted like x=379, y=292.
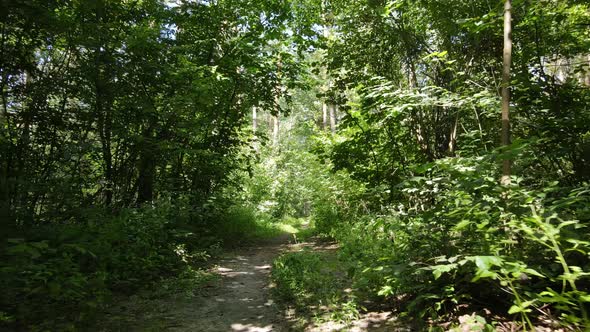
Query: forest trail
x=239, y=301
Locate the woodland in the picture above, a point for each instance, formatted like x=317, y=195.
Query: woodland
x=442, y=145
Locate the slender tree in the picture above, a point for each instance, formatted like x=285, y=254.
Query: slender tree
x=332, y=108
x=255, y=127
x=506, y=88
x=324, y=115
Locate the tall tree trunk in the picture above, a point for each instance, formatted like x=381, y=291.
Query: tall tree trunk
x=147, y=169
x=327, y=105
x=22, y=152
x=587, y=75
x=416, y=116
x=103, y=114
x=324, y=116
x=254, y=120
x=103, y=106
x=255, y=128
x=275, y=129
x=413, y=80
x=453, y=136
x=276, y=116
x=332, y=108
x=506, y=88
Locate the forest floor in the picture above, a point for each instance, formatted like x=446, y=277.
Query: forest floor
x=239, y=300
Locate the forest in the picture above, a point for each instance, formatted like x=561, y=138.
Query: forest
x=428, y=160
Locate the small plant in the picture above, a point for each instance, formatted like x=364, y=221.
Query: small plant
x=472, y=323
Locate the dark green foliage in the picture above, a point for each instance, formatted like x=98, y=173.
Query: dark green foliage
x=298, y=277
x=120, y=126
x=419, y=131
x=63, y=273
x=461, y=238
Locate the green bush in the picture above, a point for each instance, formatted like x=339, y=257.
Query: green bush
x=60, y=275
x=460, y=239
x=326, y=219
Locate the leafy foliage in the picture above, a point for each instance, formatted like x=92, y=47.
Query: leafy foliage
x=126, y=154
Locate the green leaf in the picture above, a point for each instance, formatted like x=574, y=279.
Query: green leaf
x=486, y=262
x=461, y=225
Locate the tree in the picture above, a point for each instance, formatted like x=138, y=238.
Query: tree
x=507, y=60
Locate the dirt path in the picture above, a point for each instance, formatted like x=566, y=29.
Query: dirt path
x=242, y=300
x=239, y=301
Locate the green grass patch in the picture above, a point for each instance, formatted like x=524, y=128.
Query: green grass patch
x=242, y=224
x=315, y=283
x=302, y=228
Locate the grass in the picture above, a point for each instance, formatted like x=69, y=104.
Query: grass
x=301, y=228
x=267, y=228
x=315, y=283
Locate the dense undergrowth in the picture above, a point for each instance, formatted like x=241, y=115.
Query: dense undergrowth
x=61, y=277
x=460, y=245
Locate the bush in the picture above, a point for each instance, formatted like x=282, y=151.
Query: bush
x=326, y=219
x=59, y=275
x=460, y=239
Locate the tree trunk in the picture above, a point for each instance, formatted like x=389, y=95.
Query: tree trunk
x=506, y=88
x=332, y=109
x=147, y=169
x=276, y=116
x=324, y=116
x=587, y=75
x=453, y=136
x=103, y=114
x=254, y=120
x=254, y=128
x=275, y=130
x=103, y=107
x=22, y=151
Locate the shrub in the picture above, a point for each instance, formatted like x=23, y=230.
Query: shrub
x=460, y=238
x=59, y=275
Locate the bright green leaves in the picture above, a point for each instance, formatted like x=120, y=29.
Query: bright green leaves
x=484, y=265
x=438, y=270
x=521, y=308
x=489, y=22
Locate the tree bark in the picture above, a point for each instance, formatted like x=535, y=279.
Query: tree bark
x=254, y=120
x=507, y=57
x=103, y=114
x=453, y=136
x=275, y=129
x=332, y=108
x=276, y=116
x=324, y=116
x=255, y=128
x=103, y=106
x=147, y=169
